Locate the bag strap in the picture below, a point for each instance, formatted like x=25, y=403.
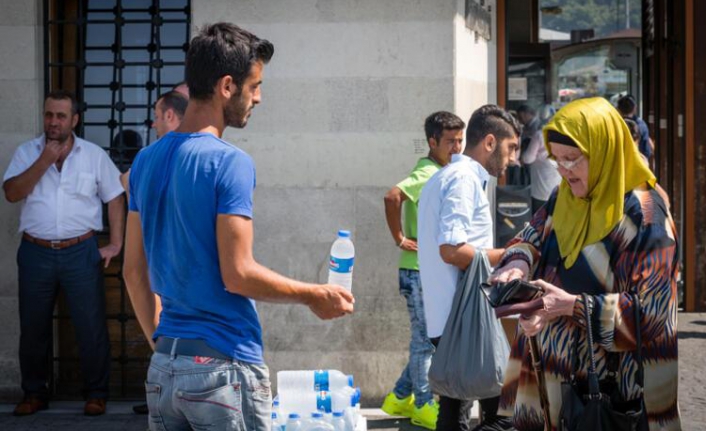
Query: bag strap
x=640, y=377
x=594, y=391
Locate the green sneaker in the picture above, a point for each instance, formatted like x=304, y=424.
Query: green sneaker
x=394, y=406
x=425, y=416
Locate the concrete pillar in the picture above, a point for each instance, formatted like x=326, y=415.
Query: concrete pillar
x=341, y=121
x=20, y=104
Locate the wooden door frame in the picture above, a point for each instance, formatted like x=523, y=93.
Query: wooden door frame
x=690, y=236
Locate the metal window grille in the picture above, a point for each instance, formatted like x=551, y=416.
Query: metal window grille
x=117, y=56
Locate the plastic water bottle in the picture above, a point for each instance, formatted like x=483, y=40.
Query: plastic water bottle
x=317, y=423
x=312, y=380
x=343, y=399
x=305, y=401
x=340, y=269
x=294, y=423
x=350, y=417
x=339, y=423
x=310, y=401
x=276, y=424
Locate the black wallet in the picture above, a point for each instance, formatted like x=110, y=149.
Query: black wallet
x=513, y=292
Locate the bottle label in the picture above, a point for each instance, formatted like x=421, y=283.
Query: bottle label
x=342, y=266
x=323, y=402
x=321, y=380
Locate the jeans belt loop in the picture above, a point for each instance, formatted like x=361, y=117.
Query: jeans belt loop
x=173, y=355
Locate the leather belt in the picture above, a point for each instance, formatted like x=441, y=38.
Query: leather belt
x=187, y=347
x=58, y=244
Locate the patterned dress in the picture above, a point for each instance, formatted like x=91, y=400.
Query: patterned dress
x=639, y=255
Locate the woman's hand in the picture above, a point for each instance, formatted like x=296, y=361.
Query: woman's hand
x=557, y=302
x=511, y=271
x=534, y=323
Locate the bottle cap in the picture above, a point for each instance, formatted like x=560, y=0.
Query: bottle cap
x=293, y=416
x=317, y=415
x=350, y=380
x=337, y=414
x=344, y=234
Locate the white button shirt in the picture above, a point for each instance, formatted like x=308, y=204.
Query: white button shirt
x=453, y=209
x=66, y=204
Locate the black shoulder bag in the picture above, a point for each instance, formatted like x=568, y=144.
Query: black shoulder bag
x=599, y=406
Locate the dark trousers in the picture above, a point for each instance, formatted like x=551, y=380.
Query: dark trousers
x=455, y=415
x=76, y=270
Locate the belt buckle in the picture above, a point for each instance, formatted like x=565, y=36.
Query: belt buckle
x=55, y=245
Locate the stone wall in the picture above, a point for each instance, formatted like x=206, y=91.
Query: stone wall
x=341, y=121
x=20, y=103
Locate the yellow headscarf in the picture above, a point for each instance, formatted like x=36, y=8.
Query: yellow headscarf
x=615, y=168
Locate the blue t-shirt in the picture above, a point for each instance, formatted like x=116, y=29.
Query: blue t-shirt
x=179, y=185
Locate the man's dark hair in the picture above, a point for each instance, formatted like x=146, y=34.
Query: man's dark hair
x=490, y=120
x=175, y=101
x=634, y=129
x=526, y=109
x=436, y=123
x=222, y=49
x=64, y=95
x=626, y=105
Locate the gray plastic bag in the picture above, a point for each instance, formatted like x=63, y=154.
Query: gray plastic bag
x=470, y=361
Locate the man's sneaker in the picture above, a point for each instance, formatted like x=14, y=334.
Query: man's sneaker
x=394, y=406
x=425, y=416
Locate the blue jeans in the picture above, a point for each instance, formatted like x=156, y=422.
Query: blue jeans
x=193, y=392
x=414, y=378
x=77, y=270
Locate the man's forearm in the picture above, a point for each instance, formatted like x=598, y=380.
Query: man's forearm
x=116, y=219
x=393, y=213
x=262, y=284
x=495, y=255
x=462, y=255
x=19, y=187
x=459, y=256
x=145, y=304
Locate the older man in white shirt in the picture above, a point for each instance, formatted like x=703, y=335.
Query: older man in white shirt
x=454, y=220
x=62, y=182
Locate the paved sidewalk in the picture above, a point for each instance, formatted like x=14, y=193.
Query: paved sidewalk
x=65, y=416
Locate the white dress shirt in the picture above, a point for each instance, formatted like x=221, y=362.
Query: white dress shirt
x=453, y=209
x=66, y=204
x=544, y=176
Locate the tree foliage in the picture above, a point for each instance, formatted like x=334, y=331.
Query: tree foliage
x=603, y=16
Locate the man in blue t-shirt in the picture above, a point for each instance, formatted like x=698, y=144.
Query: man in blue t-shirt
x=189, y=239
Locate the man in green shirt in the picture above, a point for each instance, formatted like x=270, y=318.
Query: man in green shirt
x=412, y=396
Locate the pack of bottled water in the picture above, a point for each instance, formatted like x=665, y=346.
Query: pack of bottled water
x=317, y=400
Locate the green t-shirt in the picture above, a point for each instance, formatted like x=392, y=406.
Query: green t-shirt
x=412, y=188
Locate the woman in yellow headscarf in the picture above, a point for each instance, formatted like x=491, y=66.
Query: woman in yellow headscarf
x=606, y=232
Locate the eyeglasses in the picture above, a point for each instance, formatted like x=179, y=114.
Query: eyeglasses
x=569, y=164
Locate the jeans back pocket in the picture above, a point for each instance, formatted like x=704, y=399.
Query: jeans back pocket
x=216, y=409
